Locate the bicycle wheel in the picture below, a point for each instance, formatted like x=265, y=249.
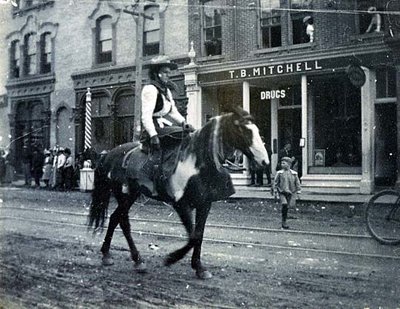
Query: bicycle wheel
x=383, y=217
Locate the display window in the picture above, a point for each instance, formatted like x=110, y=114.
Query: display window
x=335, y=120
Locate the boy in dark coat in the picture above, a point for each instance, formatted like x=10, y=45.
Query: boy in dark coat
x=286, y=184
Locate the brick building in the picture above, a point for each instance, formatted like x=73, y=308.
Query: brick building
x=313, y=73
x=58, y=49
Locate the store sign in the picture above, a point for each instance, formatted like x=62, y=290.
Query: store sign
x=356, y=75
x=268, y=70
x=272, y=94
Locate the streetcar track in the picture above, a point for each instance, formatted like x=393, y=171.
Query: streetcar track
x=213, y=225
x=221, y=241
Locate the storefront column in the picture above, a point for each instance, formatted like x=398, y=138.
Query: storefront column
x=246, y=96
x=304, y=122
x=368, y=94
x=246, y=107
x=397, y=185
x=274, y=134
x=193, y=92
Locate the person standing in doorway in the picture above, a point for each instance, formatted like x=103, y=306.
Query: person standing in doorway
x=26, y=164
x=68, y=170
x=286, y=185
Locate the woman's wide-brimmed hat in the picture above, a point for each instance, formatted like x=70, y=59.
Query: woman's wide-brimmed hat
x=371, y=9
x=306, y=19
x=162, y=61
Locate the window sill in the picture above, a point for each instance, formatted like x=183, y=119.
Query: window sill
x=265, y=51
x=39, y=6
x=216, y=58
x=103, y=65
x=30, y=78
x=367, y=37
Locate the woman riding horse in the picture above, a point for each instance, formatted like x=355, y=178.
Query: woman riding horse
x=198, y=179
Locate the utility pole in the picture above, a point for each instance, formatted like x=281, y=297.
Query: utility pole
x=138, y=14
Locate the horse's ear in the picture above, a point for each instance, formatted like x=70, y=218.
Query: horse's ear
x=241, y=114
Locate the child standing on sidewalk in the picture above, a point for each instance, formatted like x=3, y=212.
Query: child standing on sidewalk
x=286, y=184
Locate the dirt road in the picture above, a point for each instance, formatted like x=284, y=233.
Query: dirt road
x=54, y=265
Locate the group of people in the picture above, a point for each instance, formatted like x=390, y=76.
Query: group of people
x=54, y=167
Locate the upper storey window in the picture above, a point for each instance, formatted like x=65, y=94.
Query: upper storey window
x=45, y=53
x=302, y=21
x=15, y=59
x=104, y=39
x=270, y=23
x=369, y=19
x=212, y=27
x=30, y=54
x=151, y=31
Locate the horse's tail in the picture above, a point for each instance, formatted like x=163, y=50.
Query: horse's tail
x=100, y=197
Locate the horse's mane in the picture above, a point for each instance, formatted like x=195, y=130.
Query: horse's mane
x=207, y=144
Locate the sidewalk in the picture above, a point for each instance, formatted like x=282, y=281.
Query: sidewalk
x=264, y=193
x=246, y=192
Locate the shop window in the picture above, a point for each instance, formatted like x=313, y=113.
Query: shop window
x=386, y=83
x=45, y=53
x=104, y=40
x=151, y=33
x=212, y=27
x=290, y=96
x=336, y=146
x=101, y=123
x=125, y=118
x=300, y=19
x=270, y=23
x=368, y=19
x=15, y=59
x=30, y=54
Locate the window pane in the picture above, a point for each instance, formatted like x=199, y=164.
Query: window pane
x=337, y=123
x=153, y=24
x=106, y=46
x=152, y=37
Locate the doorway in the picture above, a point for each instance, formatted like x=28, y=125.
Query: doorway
x=385, y=144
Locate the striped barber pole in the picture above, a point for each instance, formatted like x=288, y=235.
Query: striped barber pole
x=88, y=120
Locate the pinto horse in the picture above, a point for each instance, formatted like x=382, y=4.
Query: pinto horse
x=197, y=180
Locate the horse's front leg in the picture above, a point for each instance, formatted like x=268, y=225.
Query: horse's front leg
x=202, y=212
x=185, y=214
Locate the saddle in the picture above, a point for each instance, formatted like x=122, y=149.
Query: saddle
x=153, y=169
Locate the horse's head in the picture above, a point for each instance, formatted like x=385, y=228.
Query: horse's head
x=241, y=133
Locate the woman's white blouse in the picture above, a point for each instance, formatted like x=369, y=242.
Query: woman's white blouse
x=149, y=100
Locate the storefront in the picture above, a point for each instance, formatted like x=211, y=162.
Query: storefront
x=343, y=135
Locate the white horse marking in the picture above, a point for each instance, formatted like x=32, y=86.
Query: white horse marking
x=257, y=146
x=184, y=170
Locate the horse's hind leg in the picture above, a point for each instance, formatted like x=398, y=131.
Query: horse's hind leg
x=126, y=202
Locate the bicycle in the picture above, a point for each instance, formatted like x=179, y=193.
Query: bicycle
x=382, y=215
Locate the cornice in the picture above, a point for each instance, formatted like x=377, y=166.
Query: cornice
x=36, y=85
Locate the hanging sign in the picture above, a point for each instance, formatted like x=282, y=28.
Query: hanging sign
x=356, y=75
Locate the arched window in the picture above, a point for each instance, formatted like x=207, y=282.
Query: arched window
x=15, y=59
x=151, y=31
x=30, y=54
x=45, y=53
x=104, y=39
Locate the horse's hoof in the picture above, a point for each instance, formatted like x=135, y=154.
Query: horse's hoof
x=141, y=267
x=169, y=261
x=107, y=260
x=203, y=274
